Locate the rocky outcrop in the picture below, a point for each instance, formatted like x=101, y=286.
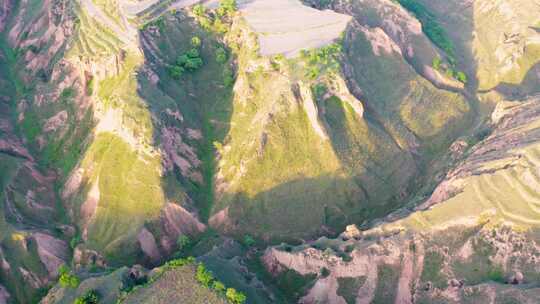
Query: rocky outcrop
x=5, y=10
x=53, y=252
x=428, y=263
x=514, y=137
x=465, y=238
x=176, y=221
x=148, y=245
x=4, y=295
x=84, y=258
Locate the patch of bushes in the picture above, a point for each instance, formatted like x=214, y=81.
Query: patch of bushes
x=30, y=126
x=183, y=243
x=226, y=7
x=437, y=35
x=196, y=42
x=249, y=240
x=76, y=240
x=430, y=26
x=207, y=279
x=437, y=61
x=348, y=288
x=461, y=77
x=219, y=21
x=189, y=61
x=228, y=77
x=67, y=279
x=90, y=297
x=159, y=23
x=449, y=69
x=433, y=263
x=221, y=55
x=234, y=296
x=199, y=10
x=319, y=90
x=322, y=60
x=204, y=276
x=90, y=86
x=325, y=272
x=294, y=285
x=496, y=274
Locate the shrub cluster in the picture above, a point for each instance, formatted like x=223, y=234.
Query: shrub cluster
x=437, y=35
x=66, y=278
x=207, y=279
x=189, y=61
x=430, y=26
x=449, y=69
x=322, y=59
x=90, y=297
x=215, y=21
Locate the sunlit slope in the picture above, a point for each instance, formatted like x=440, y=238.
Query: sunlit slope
x=499, y=179
x=497, y=54
x=332, y=130
x=477, y=238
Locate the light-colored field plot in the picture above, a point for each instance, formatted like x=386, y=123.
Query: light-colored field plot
x=132, y=8
x=287, y=26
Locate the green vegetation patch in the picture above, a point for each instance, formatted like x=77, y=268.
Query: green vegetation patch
x=348, y=288
x=388, y=277
x=430, y=26
x=432, y=271
x=183, y=282
x=295, y=285
x=322, y=60
x=479, y=268
x=127, y=198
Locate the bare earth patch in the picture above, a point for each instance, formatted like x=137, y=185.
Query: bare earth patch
x=287, y=26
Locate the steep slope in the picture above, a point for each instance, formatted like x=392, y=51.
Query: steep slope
x=32, y=223
x=176, y=281
x=126, y=126
x=82, y=162
x=479, y=233
x=501, y=55
x=318, y=131
x=475, y=238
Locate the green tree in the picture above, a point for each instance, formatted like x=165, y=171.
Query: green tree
x=67, y=279
x=218, y=287
x=199, y=10
x=226, y=7
x=221, y=55
x=196, y=42
x=193, y=64
x=176, y=71
x=461, y=77
x=204, y=276
x=437, y=63
x=90, y=297
x=183, y=242
x=234, y=296
x=228, y=77
x=190, y=61
x=248, y=240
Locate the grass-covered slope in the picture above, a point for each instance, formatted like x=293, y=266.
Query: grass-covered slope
x=177, y=281
x=302, y=137
x=478, y=236
x=494, y=54
x=32, y=220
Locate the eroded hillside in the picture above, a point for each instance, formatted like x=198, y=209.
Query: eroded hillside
x=130, y=129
